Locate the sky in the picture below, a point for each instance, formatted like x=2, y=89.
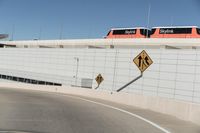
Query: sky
x=73, y=19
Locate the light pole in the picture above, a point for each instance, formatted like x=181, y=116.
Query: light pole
x=148, y=19
x=13, y=31
x=77, y=65
x=172, y=20
x=40, y=33
x=61, y=31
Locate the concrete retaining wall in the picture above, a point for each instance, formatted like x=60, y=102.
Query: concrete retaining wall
x=175, y=74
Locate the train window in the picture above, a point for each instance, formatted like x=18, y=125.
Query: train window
x=198, y=31
x=175, y=30
x=145, y=33
x=108, y=33
x=153, y=31
x=124, y=32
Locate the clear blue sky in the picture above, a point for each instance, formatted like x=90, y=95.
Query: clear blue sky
x=90, y=18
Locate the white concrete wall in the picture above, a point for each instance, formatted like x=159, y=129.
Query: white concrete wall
x=175, y=74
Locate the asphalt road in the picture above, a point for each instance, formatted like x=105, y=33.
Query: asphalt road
x=41, y=112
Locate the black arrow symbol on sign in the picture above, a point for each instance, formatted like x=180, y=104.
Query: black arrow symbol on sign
x=140, y=60
x=146, y=59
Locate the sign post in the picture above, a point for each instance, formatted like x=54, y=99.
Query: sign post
x=99, y=79
x=142, y=61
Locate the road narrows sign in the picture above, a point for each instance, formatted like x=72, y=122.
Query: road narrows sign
x=99, y=79
x=143, y=61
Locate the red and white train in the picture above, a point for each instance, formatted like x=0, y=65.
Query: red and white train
x=138, y=32
x=155, y=32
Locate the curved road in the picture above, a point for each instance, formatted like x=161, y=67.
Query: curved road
x=41, y=112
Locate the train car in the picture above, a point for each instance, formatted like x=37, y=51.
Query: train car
x=138, y=32
x=175, y=32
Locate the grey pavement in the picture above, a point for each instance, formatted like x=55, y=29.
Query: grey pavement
x=42, y=112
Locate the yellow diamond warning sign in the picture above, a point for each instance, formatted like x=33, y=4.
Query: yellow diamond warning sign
x=143, y=61
x=99, y=79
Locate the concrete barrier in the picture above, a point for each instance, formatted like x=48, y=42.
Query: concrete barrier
x=182, y=110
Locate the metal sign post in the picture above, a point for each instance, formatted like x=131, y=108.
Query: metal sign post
x=130, y=82
x=142, y=61
x=99, y=79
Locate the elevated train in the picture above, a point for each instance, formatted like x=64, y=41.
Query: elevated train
x=137, y=32
x=155, y=32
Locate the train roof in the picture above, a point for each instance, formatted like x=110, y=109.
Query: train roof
x=175, y=27
x=129, y=28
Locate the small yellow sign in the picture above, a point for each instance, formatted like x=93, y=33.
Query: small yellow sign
x=99, y=79
x=142, y=61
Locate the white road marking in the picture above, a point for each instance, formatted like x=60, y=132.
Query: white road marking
x=124, y=111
